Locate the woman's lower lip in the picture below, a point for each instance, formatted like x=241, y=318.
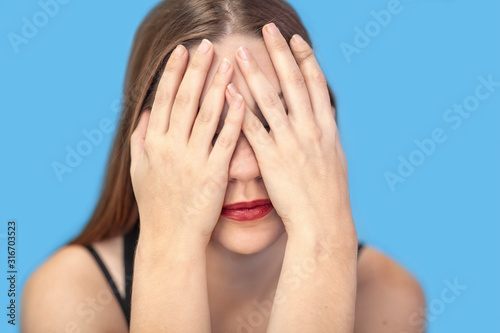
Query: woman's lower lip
x=247, y=214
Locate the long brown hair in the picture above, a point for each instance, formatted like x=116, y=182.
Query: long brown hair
x=170, y=23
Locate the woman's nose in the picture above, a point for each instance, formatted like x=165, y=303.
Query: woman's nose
x=243, y=166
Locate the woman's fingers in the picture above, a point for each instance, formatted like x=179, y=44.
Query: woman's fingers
x=210, y=111
x=340, y=149
x=266, y=96
x=226, y=141
x=188, y=96
x=291, y=79
x=137, y=139
x=166, y=91
x=315, y=80
x=260, y=139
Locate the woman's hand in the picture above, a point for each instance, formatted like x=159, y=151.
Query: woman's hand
x=179, y=179
x=305, y=173
x=301, y=159
x=179, y=183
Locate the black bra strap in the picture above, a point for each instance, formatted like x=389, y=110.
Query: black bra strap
x=107, y=275
x=129, y=245
x=360, y=246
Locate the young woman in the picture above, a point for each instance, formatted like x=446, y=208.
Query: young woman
x=226, y=204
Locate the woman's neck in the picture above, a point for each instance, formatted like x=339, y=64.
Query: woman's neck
x=235, y=279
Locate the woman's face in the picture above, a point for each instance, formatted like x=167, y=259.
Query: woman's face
x=245, y=182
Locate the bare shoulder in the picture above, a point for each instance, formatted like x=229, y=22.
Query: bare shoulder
x=68, y=293
x=389, y=298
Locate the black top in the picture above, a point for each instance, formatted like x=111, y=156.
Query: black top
x=129, y=245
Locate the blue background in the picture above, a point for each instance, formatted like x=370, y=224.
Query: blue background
x=441, y=223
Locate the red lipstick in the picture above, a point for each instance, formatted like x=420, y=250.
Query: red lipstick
x=246, y=211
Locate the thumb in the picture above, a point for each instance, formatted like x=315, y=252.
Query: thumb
x=137, y=139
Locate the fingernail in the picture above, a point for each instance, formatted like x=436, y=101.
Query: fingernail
x=232, y=90
x=237, y=101
x=243, y=53
x=204, y=46
x=224, y=66
x=298, y=39
x=178, y=52
x=272, y=29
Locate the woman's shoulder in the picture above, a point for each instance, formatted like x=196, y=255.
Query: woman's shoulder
x=389, y=297
x=68, y=293
x=374, y=265
x=70, y=264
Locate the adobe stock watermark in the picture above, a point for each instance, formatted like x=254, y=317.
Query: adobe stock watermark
x=86, y=311
x=294, y=277
x=437, y=306
x=31, y=25
x=92, y=138
x=454, y=117
x=364, y=36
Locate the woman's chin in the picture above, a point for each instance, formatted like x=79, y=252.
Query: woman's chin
x=248, y=237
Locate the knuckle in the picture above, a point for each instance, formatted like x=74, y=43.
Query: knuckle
x=316, y=133
x=232, y=120
x=318, y=77
x=281, y=46
x=189, y=166
x=296, y=78
x=197, y=64
x=162, y=97
x=149, y=145
x=171, y=66
x=224, y=141
x=175, y=122
x=254, y=125
x=270, y=99
x=304, y=55
x=204, y=116
x=183, y=98
x=279, y=121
